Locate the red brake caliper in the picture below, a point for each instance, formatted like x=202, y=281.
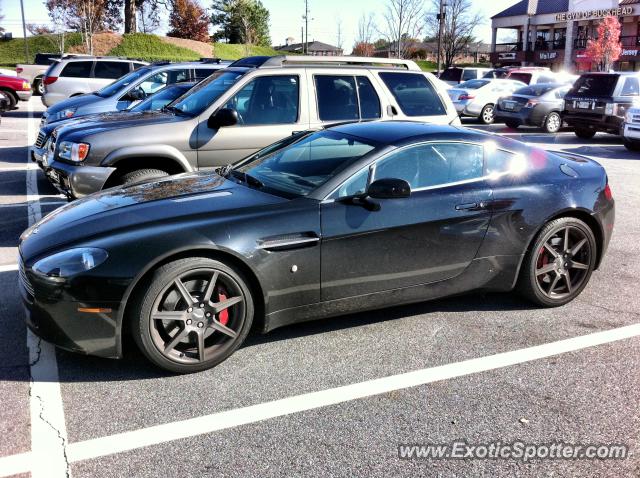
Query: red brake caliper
x=223, y=317
x=543, y=260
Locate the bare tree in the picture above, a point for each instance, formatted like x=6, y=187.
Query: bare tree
x=366, y=28
x=402, y=24
x=339, y=34
x=458, y=30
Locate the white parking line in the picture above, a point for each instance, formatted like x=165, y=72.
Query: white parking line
x=48, y=429
x=8, y=267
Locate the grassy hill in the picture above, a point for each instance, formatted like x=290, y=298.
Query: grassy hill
x=152, y=48
x=12, y=51
x=228, y=51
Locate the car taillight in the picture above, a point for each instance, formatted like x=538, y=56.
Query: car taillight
x=607, y=192
x=50, y=79
x=466, y=96
x=531, y=104
x=19, y=69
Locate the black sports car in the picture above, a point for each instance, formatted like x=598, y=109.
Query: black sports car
x=355, y=217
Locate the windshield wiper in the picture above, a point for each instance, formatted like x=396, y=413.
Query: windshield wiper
x=174, y=110
x=224, y=170
x=247, y=178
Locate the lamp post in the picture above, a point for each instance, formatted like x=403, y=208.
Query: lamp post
x=24, y=34
x=440, y=17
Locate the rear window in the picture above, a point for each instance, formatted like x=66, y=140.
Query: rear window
x=535, y=90
x=45, y=58
x=111, y=69
x=414, y=93
x=473, y=84
x=524, y=77
x=595, y=85
x=77, y=69
x=451, y=74
x=469, y=74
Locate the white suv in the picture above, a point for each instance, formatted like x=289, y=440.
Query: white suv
x=74, y=76
x=631, y=129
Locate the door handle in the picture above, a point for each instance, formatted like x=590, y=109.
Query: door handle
x=469, y=206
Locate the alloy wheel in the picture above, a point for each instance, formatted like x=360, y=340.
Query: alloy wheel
x=553, y=123
x=487, y=114
x=562, y=263
x=197, y=316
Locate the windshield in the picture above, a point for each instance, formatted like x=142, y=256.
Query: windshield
x=595, y=85
x=126, y=80
x=204, y=94
x=302, y=167
x=162, y=98
x=535, y=90
x=473, y=84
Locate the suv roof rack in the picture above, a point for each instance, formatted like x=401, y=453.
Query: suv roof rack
x=251, y=61
x=285, y=60
x=160, y=63
x=210, y=60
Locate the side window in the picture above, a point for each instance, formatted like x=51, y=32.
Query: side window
x=176, y=76
x=137, y=65
x=202, y=73
x=77, y=69
x=268, y=100
x=337, y=97
x=369, y=101
x=469, y=75
x=499, y=161
x=630, y=87
x=356, y=184
x=154, y=82
x=433, y=164
x=111, y=69
x=414, y=93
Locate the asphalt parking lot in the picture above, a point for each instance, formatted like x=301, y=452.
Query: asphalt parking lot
x=441, y=376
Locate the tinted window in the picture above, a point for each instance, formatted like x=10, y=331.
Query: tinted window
x=176, y=76
x=451, y=74
x=524, y=77
x=267, y=100
x=337, y=97
x=138, y=65
x=414, y=94
x=202, y=73
x=45, y=58
x=469, y=74
x=111, y=69
x=630, y=87
x=77, y=69
x=597, y=85
x=130, y=78
x=302, y=167
x=433, y=164
x=369, y=101
x=206, y=92
x=534, y=90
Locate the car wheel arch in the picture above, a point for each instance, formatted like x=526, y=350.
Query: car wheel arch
x=127, y=164
x=210, y=252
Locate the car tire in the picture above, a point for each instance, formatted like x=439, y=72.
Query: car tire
x=552, y=123
x=584, y=133
x=140, y=175
x=511, y=124
x=38, y=87
x=185, y=337
x=12, y=100
x=554, y=273
x=487, y=115
x=631, y=145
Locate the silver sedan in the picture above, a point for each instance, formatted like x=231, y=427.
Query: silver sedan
x=476, y=98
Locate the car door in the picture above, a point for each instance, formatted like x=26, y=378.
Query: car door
x=431, y=236
x=270, y=107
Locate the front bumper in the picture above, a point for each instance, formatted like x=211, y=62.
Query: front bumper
x=24, y=95
x=76, y=180
x=631, y=131
x=468, y=108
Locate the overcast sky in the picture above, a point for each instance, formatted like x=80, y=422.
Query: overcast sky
x=286, y=17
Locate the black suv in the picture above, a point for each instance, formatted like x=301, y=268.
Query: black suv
x=598, y=102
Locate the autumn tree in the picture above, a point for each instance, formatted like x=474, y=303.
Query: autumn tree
x=605, y=49
x=188, y=20
x=460, y=23
x=363, y=49
x=241, y=21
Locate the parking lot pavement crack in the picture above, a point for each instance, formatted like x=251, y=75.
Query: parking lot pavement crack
x=614, y=311
x=38, y=353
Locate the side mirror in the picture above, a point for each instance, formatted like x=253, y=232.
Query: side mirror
x=223, y=117
x=389, y=188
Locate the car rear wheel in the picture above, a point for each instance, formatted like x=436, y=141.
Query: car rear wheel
x=559, y=264
x=487, y=114
x=511, y=124
x=584, y=133
x=194, y=313
x=631, y=145
x=553, y=123
x=12, y=100
x=140, y=175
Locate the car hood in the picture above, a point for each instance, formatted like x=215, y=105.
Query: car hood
x=49, y=127
x=98, y=124
x=183, y=196
x=74, y=102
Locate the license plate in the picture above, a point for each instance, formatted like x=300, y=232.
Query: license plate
x=509, y=105
x=585, y=105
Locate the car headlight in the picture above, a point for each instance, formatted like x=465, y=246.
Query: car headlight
x=73, y=151
x=26, y=85
x=70, y=262
x=62, y=114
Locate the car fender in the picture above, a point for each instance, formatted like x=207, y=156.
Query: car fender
x=156, y=151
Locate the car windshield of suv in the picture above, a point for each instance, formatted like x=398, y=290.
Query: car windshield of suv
x=524, y=77
x=162, y=98
x=205, y=93
x=535, y=90
x=112, y=88
x=451, y=74
x=594, y=85
x=473, y=84
x=302, y=167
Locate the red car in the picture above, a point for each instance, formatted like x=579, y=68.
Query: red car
x=14, y=89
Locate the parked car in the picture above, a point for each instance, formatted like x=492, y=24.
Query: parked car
x=355, y=217
x=631, y=129
x=477, y=98
x=35, y=72
x=533, y=75
x=154, y=102
x=454, y=75
x=599, y=101
x=4, y=104
x=132, y=87
x=14, y=89
x=239, y=110
x=534, y=105
x=499, y=73
x=73, y=76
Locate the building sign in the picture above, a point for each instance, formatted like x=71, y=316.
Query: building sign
x=506, y=56
x=629, y=52
x=589, y=14
x=548, y=55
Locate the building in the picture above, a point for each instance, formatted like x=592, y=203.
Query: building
x=554, y=33
x=477, y=52
x=316, y=48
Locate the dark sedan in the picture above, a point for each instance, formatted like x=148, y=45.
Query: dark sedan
x=355, y=217
x=536, y=105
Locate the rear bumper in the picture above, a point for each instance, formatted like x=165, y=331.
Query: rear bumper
x=468, y=108
x=50, y=99
x=77, y=180
x=526, y=116
x=606, y=123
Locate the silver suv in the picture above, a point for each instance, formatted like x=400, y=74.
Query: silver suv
x=76, y=75
x=238, y=110
x=131, y=88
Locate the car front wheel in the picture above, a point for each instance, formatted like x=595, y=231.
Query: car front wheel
x=559, y=264
x=194, y=313
x=140, y=175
